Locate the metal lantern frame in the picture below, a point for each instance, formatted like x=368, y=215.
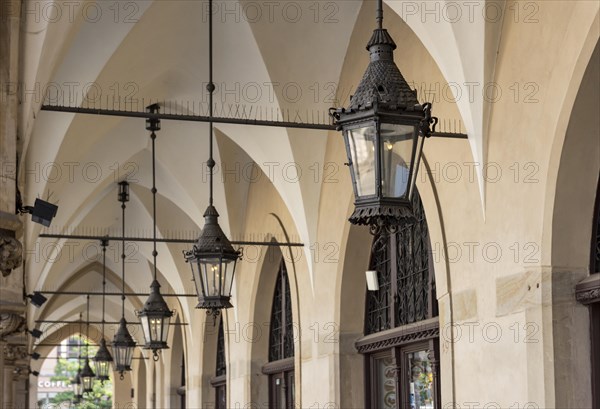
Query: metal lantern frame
x=155, y=318
x=103, y=362
x=87, y=376
x=213, y=260
x=384, y=115
x=123, y=346
x=77, y=386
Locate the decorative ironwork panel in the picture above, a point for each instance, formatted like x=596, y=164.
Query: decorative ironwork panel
x=404, y=271
x=221, y=364
x=281, y=332
x=378, y=316
x=414, y=276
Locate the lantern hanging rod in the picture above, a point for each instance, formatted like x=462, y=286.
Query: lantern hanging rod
x=111, y=294
x=98, y=322
x=148, y=239
x=220, y=120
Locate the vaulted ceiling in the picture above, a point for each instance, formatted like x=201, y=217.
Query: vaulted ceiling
x=298, y=57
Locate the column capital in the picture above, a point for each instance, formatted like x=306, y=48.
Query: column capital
x=11, y=252
x=10, y=323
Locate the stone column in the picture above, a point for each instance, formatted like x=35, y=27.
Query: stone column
x=20, y=396
x=7, y=385
x=2, y=345
x=11, y=251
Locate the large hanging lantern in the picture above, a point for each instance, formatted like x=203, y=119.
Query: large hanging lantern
x=213, y=260
x=384, y=130
x=155, y=318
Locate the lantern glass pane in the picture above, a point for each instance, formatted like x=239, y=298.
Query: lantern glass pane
x=229, y=271
x=211, y=271
x=87, y=383
x=102, y=368
x=415, y=173
x=158, y=329
x=146, y=328
x=75, y=387
x=360, y=143
x=198, y=279
x=164, y=328
x=397, y=149
x=79, y=389
x=123, y=356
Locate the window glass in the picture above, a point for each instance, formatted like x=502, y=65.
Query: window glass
x=420, y=380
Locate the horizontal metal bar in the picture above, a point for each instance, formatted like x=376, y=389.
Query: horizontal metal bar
x=184, y=117
x=112, y=294
x=450, y=135
x=97, y=322
x=60, y=357
x=149, y=239
x=204, y=118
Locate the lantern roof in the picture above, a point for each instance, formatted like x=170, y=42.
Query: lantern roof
x=103, y=354
x=212, y=239
x=383, y=84
x=123, y=337
x=155, y=303
x=87, y=371
x=77, y=378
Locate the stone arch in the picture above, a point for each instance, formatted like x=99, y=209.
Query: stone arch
x=568, y=217
x=55, y=334
x=209, y=358
x=350, y=291
x=261, y=316
x=176, y=358
x=141, y=392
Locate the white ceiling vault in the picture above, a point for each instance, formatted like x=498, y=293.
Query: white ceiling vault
x=276, y=59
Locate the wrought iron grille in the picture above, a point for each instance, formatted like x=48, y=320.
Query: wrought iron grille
x=378, y=317
x=221, y=365
x=406, y=281
x=281, y=332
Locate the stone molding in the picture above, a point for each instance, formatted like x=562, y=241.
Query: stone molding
x=398, y=336
x=587, y=291
x=282, y=365
x=14, y=352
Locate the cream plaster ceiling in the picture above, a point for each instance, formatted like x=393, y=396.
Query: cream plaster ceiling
x=161, y=54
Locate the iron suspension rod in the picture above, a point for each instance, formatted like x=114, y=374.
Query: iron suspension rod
x=113, y=294
x=218, y=120
x=99, y=322
x=146, y=239
x=188, y=118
